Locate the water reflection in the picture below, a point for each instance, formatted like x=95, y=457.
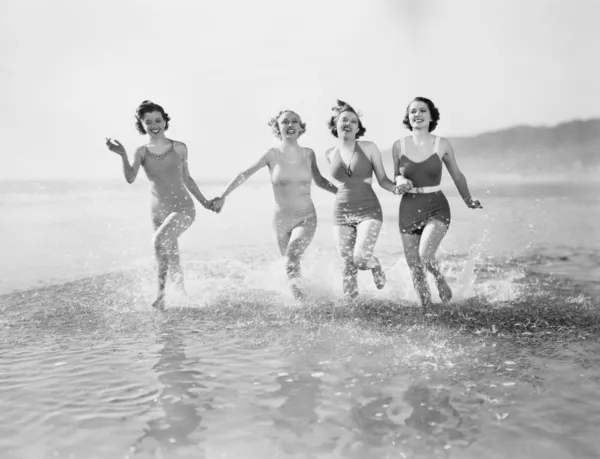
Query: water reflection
x=296, y=418
x=422, y=420
x=181, y=401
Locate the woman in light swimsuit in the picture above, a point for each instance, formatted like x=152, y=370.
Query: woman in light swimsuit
x=357, y=215
x=172, y=208
x=292, y=169
x=424, y=215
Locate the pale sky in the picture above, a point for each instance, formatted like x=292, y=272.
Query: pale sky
x=73, y=72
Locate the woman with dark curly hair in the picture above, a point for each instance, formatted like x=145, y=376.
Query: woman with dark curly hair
x=424, y=216
x=357, y=213
x=172, y=208
x=292, y=169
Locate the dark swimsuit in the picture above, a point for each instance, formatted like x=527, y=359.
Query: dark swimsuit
x=355, y=200
x=418, y=209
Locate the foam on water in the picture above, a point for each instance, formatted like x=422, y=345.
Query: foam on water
x=239, y=369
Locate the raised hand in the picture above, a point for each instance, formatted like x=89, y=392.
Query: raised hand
x=473, y=204
x=115, y=146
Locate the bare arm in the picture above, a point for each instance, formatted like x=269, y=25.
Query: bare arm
x=457, y=176
x=396, y=158
x=375, y=156
x=129, y=171
x=218, y=203
x=245, y=175
x=320, y=181
x=190, y=184
x=402, y=182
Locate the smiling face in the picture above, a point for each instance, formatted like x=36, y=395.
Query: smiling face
x=154, y=123
x=419, y=115
x=347, y=125
x=289, y=124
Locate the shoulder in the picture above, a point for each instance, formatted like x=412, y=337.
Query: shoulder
x=180, y=148
x=309, y=153
x=140, y=152
x=397, y=145
x=268, y=157
x=330, y=151
x=369, y=148
x=445, y=146
x=270, y=153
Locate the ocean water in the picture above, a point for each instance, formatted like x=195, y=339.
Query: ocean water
x=239, y=370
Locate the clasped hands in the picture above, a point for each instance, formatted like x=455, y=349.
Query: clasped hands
x=403, y=185
x=215, y=204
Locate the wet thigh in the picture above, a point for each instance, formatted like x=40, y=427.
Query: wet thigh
x=367, y=234
x=433, y=234
x=300, y=238
x=172, y=227
x=410, y=243
x=345, y=237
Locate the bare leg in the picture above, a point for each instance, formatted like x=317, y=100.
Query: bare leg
x=175, y=266
x=169, y=230
x=411, y=252
x=298, y=242
x=432, y=236
x=366, y=238
x=346, y=240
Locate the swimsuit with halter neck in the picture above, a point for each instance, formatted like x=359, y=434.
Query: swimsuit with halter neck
x=291, y=186
x=418, y=209
x=355, y=200
x=169, y=194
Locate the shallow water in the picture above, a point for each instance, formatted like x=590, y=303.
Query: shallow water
x=238, y=370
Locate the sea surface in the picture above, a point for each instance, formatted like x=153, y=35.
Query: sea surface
x=238, y=369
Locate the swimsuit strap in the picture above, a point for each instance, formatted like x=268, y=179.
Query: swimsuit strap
x=173, y=148
x=436, y=145
x=402, y=146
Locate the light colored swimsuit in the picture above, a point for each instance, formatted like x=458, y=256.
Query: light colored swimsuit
x=169, y=194
x=355, y=200
x=417, y=209
x=292, y=182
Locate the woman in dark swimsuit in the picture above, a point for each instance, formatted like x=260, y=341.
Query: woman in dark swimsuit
x=424, y=210
x=173, y=212
x=293, y=169
x=357, y=216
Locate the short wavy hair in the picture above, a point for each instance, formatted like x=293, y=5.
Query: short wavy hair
x=433, y=110
x=148, y=106
x=339, y=108
x=275, y=125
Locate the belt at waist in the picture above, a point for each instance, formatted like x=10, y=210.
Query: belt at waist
x=425, y=189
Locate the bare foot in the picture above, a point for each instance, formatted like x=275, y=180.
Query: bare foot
x=159, y=303
x=378, y=277
x=297, y=292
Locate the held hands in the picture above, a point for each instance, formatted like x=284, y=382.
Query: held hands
x=115, y=146
x=403, y=185
x=216, y=204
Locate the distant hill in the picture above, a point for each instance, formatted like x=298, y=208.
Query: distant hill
x=571, y=148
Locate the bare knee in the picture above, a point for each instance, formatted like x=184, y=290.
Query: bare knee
x=413, y=260
x=292, y=263
x=428, y=260
x=348, y=265
x=161, y=242
x=361, y=262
